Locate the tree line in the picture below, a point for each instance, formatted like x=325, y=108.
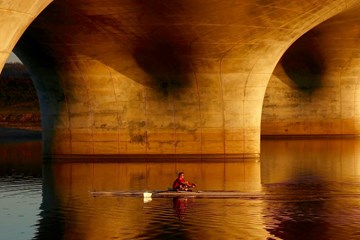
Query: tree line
x=16, y=86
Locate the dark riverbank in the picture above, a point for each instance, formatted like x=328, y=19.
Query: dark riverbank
x=19, y=105
x=15, y=135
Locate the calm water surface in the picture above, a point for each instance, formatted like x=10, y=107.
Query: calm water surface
x=300, y=189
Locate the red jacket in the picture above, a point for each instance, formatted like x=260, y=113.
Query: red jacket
x=179, y=182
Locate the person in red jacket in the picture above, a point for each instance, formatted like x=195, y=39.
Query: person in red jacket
x=180, y=184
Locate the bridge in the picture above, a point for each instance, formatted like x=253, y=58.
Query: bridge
x=188, y=78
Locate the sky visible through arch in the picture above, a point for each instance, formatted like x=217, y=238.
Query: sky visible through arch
x=13, y=58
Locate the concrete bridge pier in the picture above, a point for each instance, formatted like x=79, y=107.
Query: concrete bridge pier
x=154, y=77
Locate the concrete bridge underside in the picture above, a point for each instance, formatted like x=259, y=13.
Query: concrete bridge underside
x=185, y=77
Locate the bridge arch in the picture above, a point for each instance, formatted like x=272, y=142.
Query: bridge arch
x=315, y=87
x=15, y=17
x=107, y=87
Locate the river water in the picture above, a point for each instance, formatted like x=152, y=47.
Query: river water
x=299, y=189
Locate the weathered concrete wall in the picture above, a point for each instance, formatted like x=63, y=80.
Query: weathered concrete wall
x=155, y=77
x=15, y=17
x=314, y=89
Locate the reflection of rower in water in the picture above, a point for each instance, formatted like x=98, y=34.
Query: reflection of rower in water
x=180, y=205
x=180, y=184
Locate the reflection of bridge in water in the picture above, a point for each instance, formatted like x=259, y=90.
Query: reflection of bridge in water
x=311, y=183
x=300, y=175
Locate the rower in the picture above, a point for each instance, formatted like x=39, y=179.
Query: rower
x=180, y=184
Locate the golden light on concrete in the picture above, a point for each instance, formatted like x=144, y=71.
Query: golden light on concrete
x=15, y=17
x=159, y=77
x=314, y=89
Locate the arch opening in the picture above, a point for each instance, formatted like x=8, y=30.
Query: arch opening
x=19, y=103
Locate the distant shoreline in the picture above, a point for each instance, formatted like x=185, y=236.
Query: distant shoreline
x=16, y=134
